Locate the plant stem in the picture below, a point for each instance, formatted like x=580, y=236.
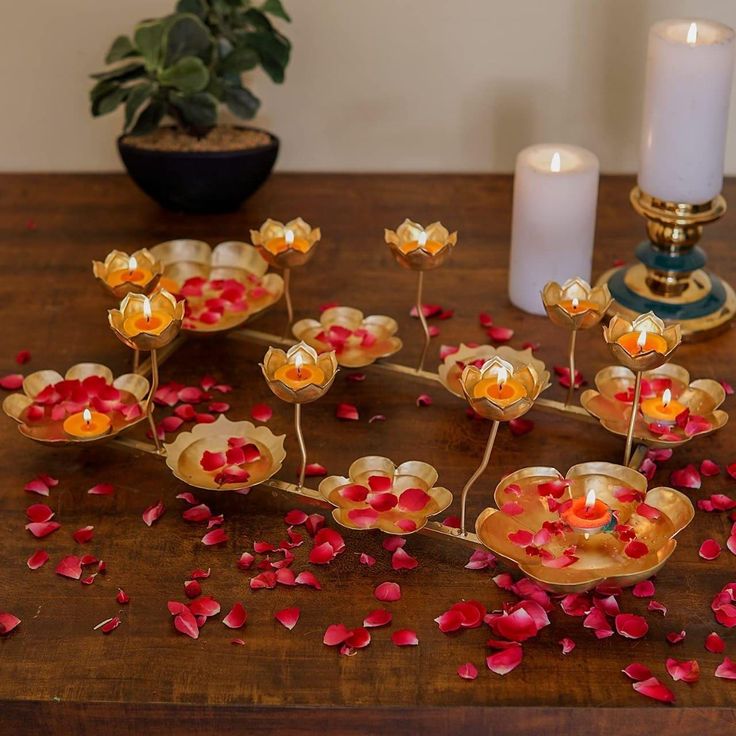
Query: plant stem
x=423, y=320
x=632, y=419
x=479, y=471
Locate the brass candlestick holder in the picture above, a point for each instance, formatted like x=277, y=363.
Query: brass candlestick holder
x=298, y=377
x=145, y=324
x=575, y=306
x=421, y=249
x=121, y=274
x=670, y=279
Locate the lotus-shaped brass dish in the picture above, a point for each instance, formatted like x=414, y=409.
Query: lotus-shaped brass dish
x=419, y=248
x=452, y=367
x=48, y=398
x=303, y=356
x=612, y=402
x=129, y=322
x=184, y=455
x=378, y=495
x=357, y=340
x=224, y=287
x=575, y=305
x=286, y=245
x=118, y=278
x=527, y=528
x=647, y=323
x=520, y=365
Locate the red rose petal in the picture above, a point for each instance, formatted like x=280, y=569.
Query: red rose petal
x=378, y=617
x=308, y=578
x=500, y=334
x=11, y=382
x=192, y=588
x=709, y=549
x=37, y=559
x=83, y=535
x=576, y=604
x=597, y=621
x=636, y=549
x=467, y=671
x=314, y=470
x=506, y=660
x=359, y=638
x=406, y=525
x=287, y=617
x=402, y=560
x=122, y=597
x=727, y=387
x=261, y=412
x=631, y=626
x=451, y=620
x=170, y=424
x=687, y=670
x=521, y=537
x=387, y=592
x=39, y=512
x=198, y=513
x=37, y=485
x=521, y=426
x=405, y=638
x=212, y=460
x=314, y=523
x=675, y=637
x=379, y=483
x=708, y=468
x=567, y=645
x=424, y=400
x=347, y=412
x=637, y=672
x=216, y=536
x=687, y=477
x=153, y=513
x=205, y=606
x=42, y=529
x=481, y=560
x=22, y=357
x=102, y=489
x=727, y=669
x=714, y=643
x=657, y=606
x=644, y=589
x=218, y=407
x=413, y=499
x=653, y=688
x=70, y=567
x=185, y=623
x=322, y=554
x=336, y=634
x=237, y=616
x=185, y=412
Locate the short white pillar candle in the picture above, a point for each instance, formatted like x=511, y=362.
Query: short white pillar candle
x=553, y=223
x=686, y=100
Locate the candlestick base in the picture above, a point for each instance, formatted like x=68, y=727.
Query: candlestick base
x=670, y=279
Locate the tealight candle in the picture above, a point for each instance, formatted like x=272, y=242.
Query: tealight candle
x=642, y=342
x=577, y=306
x=133, y=274
x=87, y=424
x=587, y=515
x=152, y=323
x=297, y=375
x=500, y=388
x=431, y=246
x=279, y=245
x=663, y=410
x=169, y=285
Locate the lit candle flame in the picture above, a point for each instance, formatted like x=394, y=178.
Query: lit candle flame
x=641, y=341
x=575, y=302
x=555, y=163
x=692, y=34
x=87, y=416
x=590, y=499
x=666, y=398
x=501, y=376
x=298, y=361
x=422, y=238
x=289, y=236
x=132, y=264
x=147, y=308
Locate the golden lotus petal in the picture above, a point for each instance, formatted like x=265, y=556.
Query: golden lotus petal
x=451, y=368
x=117, y=260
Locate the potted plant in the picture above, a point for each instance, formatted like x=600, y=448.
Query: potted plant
x=172, y=78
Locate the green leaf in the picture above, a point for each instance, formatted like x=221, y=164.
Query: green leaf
x=137, y=96
x=148, y=40
x=149, y=119
x=274, y=7
x=198, y=110
x=258, y=20
x=274, y=51
x=121, y=73
x=240, y=59
x=186, y=35
x=106, y=103
x=188, y=75
x=241, y=102
x=196, y=7
x=121, y=48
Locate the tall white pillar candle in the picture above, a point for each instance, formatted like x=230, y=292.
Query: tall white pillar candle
x=686, y=99
x=553, y=224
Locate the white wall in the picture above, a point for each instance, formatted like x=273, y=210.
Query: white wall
x=374, y=85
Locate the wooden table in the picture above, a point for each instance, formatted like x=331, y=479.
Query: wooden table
x=59, y=676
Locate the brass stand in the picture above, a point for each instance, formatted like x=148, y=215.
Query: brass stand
x=423, y=320
x=632, y=419
x=150, y=403
x=571, y=364
x=300, y=440
x=478, y=472
x=287, y=299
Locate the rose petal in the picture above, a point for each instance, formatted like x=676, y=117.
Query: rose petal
x=83, y=535
x=378, y=617
x=405, y=638
x=500, y=334
x=653, y=688
x=467, y=671
x=236, y=618
x=70, y=567
x=481, y=560
x=122, y=597
x=521, y=426
x=714, y=643
x=11, y=382
x=366, y=559
x=451, y=620
x=347, y=412
x=506, y=660
x=567, y=645
x=687, y=477
x=185, y=623
x=597, y=621
x=726, y=669
x=216, y=536
x=287, y=617
x=687, y=670
x=402, y=560
x=636, y=549
x=637, y=672
x=709, y=549
x=308, y=578
x=39, y=513
x=153, y=513
x=336, y=634
x=211, y=461
x=37, y=559
x=675, y=637
x=102, y=489
x=42, y=529
x=314, y=523
x=631, y=626
x=644, y=589
x=313, y=470
x=413, y=499
x=708, y=468
x=387, y=592
x=22, y=357
x=198, y=513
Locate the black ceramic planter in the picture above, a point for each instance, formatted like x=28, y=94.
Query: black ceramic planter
x=200, y=181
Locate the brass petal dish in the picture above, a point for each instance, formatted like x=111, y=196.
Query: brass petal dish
x=184, y=453
x=133, y=389
x=352, y=353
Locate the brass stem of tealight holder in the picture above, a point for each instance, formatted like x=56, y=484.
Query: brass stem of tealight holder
x=150, y=402
x=300, y=440
x=423, y=320
x=571, y=364
x=632, y=418
x=478, y=472
x=136, y=360
x=287, y=299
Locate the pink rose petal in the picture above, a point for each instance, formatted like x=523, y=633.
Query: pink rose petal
x=637, y=672
x=153, y=513
x=236, y=618
x=309, y=579
x=521, y=426
x=687, y=670
x=675, y=637
x=378, y=617
x=405, y=638
x=185, y=623
x=347, y=412
x=39, y=513
x=212, y=460
x=687, y=477
x=499, y=334
x=387, y=592
x=467, y=671
x=644, y=589
x=42, y=529
x=402, y=560
x=631, y=626
x=37, y=559
x=216, y=536
x=424, y=400
x=709, y=549
x=366, y=559
x=567, y=645
x=506, y=660
x=653, y=688
x=727, y=669
x=413, y=499
x=708, y=468
x=287, y=617
x=714, y=643
x=11, y=382
x=70, y=567
x=102, y=489
x=83, y=535
x=314, y=470
x=336, y=634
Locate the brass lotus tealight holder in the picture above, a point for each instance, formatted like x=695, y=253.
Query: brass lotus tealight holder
x=224, y=287
x=597, y=524
x=87, y=405
x=575, y=306
x=379, y=495
x=674, y=410
x=145, y=324
x=505, y=387
x=286, y=246
x=121, y=274
x=641, y=345
x=451, y=369
x=421, y=249
x=298, y=377
x=225, y=455
x=357, y=340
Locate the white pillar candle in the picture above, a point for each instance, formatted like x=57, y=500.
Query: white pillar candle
x=686, y=100
x=553, y=224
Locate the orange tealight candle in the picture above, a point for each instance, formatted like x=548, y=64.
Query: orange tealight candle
x=501, y=388
x=296, y=375
x=168, y=284
x=642, y=342
x=431, y=246
x=587, y=515
x=152, y=323
x=577, y=306
x=662, y=410
x=133, y=274
x=279, y=245
x=86, y=424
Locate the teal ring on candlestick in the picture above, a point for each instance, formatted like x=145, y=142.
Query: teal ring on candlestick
x=662, y=260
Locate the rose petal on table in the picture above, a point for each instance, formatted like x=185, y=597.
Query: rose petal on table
x=648, y=468
x=405, y=638
x=295, y=517
x=451, y=620
x=576, y=604
x=42, y=529
x=709, y=549
x=485, y=320
x=170, y=424
x=185, y=623
x=191, y=395
x=122, y=597
x=102, y=489
x=687, y=670
x=288, y=617
x=378, y=617
x=216, y=536
x=70, y=567
x=687, y=477
x=314, y=523
x=675, y=637
x=644, y=589
x=83, y=535
x=657, y=606
x=39, y=512
x=714, y=643
x=218, y=407
x=597, y=621
x=22, y=357
x=11, y=382
x=499, y=334
x=481, y=560
x=467, y=671
x=521, y=426
x=192, y=588
x=653, y=688
x=40, y=485
x=197, y=514
x=205, y=606
x=336, y=634
x=359, y=638
x=637, y=672
x=402, y=560
x=314, y=470
x=237, y=616
x=506, y=660
x=424, y=400
x=726, y=669
x=261, y=413
x=631, y=626
x=347, y=412
x=366, y=559
x=153, y=513
x=387, y=592
x=708, y=468
x=309, y=579
x=39, y=558
x=727, y=387
x=608, y=604
x=185, y=412
x=322, y=554
x=332, y=537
